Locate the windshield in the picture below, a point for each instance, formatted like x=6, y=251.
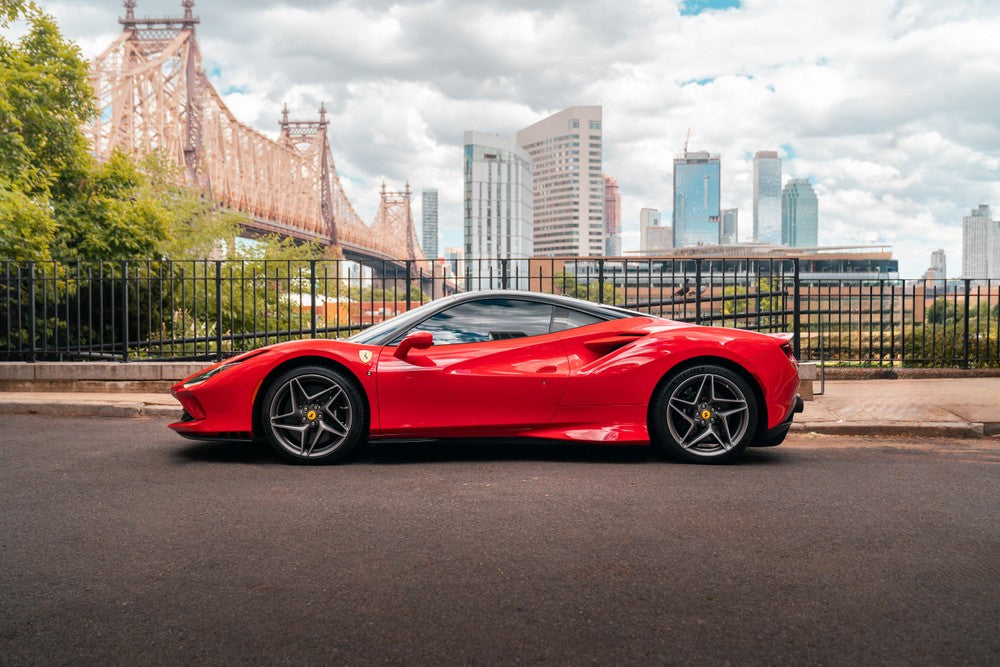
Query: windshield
x=399, y=322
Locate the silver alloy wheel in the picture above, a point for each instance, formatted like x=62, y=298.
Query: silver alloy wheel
x=310, y=416
x=707, y=415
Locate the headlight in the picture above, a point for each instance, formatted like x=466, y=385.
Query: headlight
x=212, y=372
x=204, y=375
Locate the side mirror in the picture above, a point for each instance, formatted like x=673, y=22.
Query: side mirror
x=420, y=340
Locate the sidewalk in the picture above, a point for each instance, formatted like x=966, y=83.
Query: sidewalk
x=956, y=407
x=953, y=407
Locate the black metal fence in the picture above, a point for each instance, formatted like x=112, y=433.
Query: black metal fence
x=212, y=309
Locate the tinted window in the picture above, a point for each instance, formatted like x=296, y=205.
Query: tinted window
x=564, y=318
x=488, y=319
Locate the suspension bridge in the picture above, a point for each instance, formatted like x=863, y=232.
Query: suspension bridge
x=153, y=94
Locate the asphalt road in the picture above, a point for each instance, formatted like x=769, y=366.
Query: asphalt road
x=122, y=543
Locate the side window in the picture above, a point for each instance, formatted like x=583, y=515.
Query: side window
x=564, y=318
x=488, y=319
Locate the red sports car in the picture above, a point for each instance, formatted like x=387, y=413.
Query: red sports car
x=489, y=364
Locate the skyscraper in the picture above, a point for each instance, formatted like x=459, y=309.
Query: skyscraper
x=612, y=218
x=799, y=214
x=939, y=263
x=654, y=237
x=497, y=206
x=565, y=149
x=980, y=244
x=767, y=197
x=730, y=226
x=429, y=223
x=696, y=199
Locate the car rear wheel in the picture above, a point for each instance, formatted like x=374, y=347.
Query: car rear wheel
x=704, y=414
x=312, y=414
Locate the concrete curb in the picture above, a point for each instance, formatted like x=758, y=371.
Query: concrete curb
x=88, y=409
x=910, y=429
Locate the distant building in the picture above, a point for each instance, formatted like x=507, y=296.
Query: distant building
x=767, y=197
x=454, y=259
x=799, y=214
x=938, y=269
x=730, y=226
x=654, y=237
x=498, y=205
x=696, y=199
x=980, y=244
x=612, y=218
x=429, y=223
x=719, y=263
x=566, y=151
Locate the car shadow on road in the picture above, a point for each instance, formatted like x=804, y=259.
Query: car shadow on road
x=226, y=452
x=458, y=451
x=437, y=451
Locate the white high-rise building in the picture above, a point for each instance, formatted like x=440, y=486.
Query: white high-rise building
x=429, y=223
x=980, y=244
x=498, y=209
x=939, y=266
x=566, y=153
x=654, y=236
x=767, y=197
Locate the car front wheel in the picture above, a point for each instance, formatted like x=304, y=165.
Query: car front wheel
x=312, y=414
x=704, y=414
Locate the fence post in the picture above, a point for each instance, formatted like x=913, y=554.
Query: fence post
x=125, y=311
x=600, y=280
x=408, y=280
x=218, y=310
x=31, y=310
x=965, y=319
x=312, y=297
x=697, y=292
x=796, y=309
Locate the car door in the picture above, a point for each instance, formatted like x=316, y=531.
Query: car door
x=493, y=369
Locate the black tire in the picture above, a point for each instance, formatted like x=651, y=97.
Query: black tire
x=703, y=414
x=313, y=414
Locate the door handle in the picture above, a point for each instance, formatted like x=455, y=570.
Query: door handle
x=546, y=369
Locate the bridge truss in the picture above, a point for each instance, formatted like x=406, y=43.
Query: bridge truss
x=152, y=94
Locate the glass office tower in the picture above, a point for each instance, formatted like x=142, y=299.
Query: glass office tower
x=799, y=214
x=696, y=199
x=767, y=197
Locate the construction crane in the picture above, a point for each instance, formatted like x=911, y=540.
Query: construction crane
x=686, y=140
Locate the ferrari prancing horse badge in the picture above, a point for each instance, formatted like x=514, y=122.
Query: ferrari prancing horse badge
x=366, y=355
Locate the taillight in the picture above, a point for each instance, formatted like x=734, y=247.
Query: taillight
x=786, y=347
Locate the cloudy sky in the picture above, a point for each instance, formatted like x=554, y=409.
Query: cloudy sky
x=890, y=107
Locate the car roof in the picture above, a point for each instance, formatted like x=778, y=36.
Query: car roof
x=600, y=310
x=386, y=333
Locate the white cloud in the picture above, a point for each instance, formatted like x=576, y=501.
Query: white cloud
x=889, y=106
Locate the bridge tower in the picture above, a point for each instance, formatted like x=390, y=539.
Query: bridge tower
x=394, y=222
x=309, y=139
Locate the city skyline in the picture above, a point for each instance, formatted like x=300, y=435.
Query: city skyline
x=885, y=106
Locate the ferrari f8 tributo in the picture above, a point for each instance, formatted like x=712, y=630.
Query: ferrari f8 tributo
x=505, y=364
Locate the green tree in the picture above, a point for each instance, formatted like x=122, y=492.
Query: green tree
x=737, y=300
x=45, y=97
x=26, y=225
x=571, y=285
x=943, y=310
